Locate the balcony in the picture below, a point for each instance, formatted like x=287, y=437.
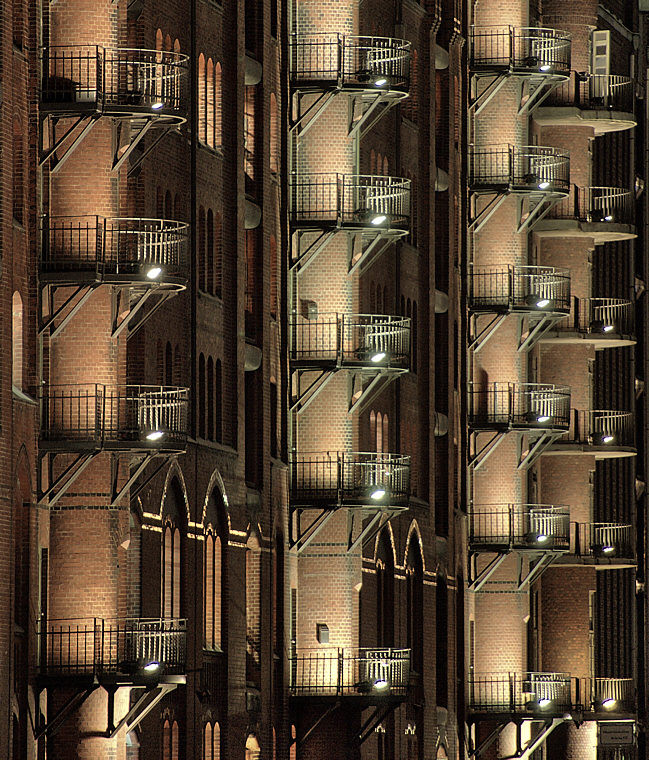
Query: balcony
x=126, y=418
x=611, y=696
x=519, y=527
x=372, y=342
x=602, y=102
x=130, y=651
x=605, y=322
x=528, y=169
x=377, y=675
x=117, y=82
x=527, y=695
x=363, y=64
x=350, y=202
x=520, y=51
x=341, y=478
x=601, y=544
x=604, y=434
x=82, y=250
x=604, y=214
x=524, y=407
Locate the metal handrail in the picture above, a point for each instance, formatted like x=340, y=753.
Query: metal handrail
x=609, y=92
x=82, y=646
x=123, y=77
x=534, y=405
x=360, y=200
x=526, y=526
x=121, y=414
x=620, y=693
x=345, y=671
x=597, y=427
x=536, y=50
x=601, y=316
x=339, y=476
x=373, y=339
x=114, y=246
x=519, y=692
x=532, y=168
x=351, y=61
x=519, y=287
x=596, y=204
x=603, y=540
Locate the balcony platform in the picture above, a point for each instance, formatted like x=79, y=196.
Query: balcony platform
x=92, y=418
x=603, y=434
x=116, y=82
x=603, y=103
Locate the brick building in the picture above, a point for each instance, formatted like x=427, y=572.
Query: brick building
x=322, y=379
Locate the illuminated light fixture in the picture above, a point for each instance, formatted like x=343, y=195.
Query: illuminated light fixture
x=380, y=82
x=608, y=218
x=608, y=438
x=153, y=273
x=607, y=328
x=544, y=702
x=608, y=549
x=155, y=435
x=609, y=702
x=378, y=219
x=152, y=666
x=544, y=185
x=543, y=418
x=378, y=357
x=538, y=302
x=541, y=538
x=378, y=493
x=157, y=106
x=381, y=684
x=545, y=67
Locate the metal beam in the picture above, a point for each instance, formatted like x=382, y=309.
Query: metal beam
x=538, y=447
x=73, y=146
x=66, y=479
x=51, y=727
x=321, y=381
x=314, y=111
x=388, y=239
x=304, y=539
x=483, y=336
x=55, y=315
x=312, y=251
x=483, y=576
x=133, y=718
x=490, y=91
x=478, y=222
x=480, y=457
x=136, y=474
x=377, y=385
x=117, y=162
x=541, y=738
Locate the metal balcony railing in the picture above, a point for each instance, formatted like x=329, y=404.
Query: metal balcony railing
x=603, y=541
x=75, y=77
x=110, y=647
x=595, y=92
x=600, y=316
x=346, y=672
x=533, y=289
x=596, y=204
x=529, y=168
x=150, y=251
x=598, y=427
x=339, y=477
x=126, y=416
x=520, y=49
x=512, y=693
x=363, y=201
x=520, y=526
x=354, y=62
x=613, y=694
x=525, y=405
x=374, y=340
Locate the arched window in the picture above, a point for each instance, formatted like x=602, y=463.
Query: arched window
x=218, y=398
x=253, y=750
x=385, y=592
x=441, y=642
x=168, y=43
x=386, y=170
x=378, y=443
x=379, y=163
x=172, y=518
x=202, y=266
x=214, y=570
x=158, y=39
x=209, y=285
x=175, y=741
x=414, y=99
x=17, y=340
x=212, y=742
x=218, y=256
x=218, y=134
x=274, y=135
x=415, y=604
x=166, y=740
x=253, y=608
x=210, y=399
x=202, y=100
x=209, y=103
x=201, y=396
x=18, y=23
x=372, y=162
x=176, y=45
x=292, y=753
